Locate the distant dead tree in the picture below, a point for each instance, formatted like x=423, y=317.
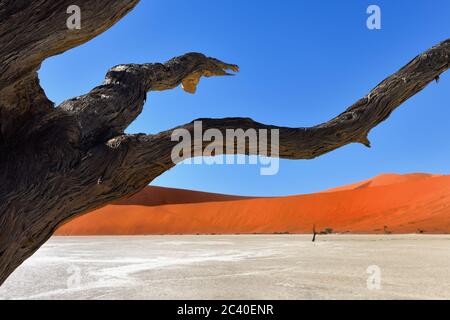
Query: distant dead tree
x=314, y=233
x=59, y=162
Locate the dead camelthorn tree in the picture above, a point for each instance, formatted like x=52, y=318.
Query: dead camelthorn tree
x=58, y=162
x=314, y=233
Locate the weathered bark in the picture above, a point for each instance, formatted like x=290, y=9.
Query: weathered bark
x=60, y=162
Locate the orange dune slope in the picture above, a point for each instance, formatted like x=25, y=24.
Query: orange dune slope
x=388, y=203
x=157, y=196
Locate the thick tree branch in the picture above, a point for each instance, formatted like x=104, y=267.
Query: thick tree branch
x=30, y=32
x=22, y=51
x=151, y=155
x=108, y=109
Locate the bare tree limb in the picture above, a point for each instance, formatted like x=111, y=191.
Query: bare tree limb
x=30, y=32
x=108, y=109
x=153, y=153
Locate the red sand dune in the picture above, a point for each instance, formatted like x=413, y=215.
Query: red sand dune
x=156, y=196
x=387, y=203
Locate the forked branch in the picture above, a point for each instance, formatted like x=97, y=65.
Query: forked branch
x=152, y=153
x=109, y=109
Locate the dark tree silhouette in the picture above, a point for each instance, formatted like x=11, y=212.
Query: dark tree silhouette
x=58, y=162
x=314, y=233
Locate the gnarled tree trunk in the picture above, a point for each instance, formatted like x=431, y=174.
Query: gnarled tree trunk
x=60, y=162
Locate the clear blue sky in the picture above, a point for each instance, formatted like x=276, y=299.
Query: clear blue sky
x=302, y=62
